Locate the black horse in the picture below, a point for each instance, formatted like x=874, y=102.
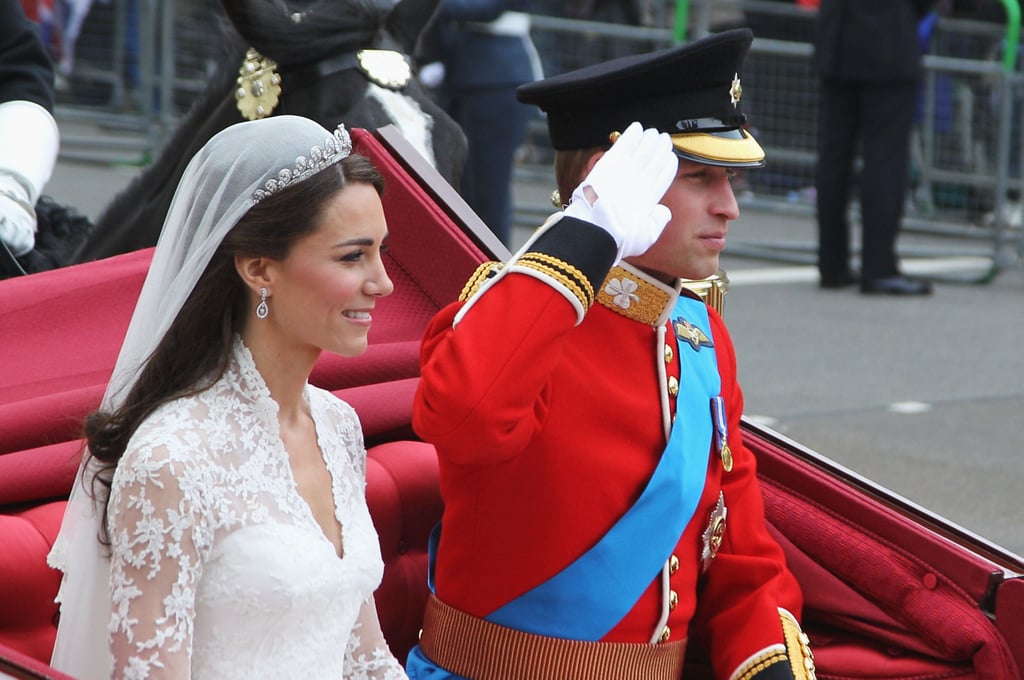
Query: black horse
x=315, y=45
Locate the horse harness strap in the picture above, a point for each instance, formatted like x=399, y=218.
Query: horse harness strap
x=260, y=80
x=386, y=68
x=467, y=646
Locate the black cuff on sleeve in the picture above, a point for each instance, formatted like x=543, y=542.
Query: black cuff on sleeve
x=589, y=249
x=777, y=671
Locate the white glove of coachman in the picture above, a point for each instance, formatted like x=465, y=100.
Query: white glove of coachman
x=621, y=193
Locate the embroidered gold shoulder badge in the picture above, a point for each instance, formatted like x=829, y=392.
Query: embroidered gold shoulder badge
x=689, y=333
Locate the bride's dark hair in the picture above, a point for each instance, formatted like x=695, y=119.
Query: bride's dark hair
x=193, y=353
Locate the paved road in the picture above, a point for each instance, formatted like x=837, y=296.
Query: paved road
x=923, y=396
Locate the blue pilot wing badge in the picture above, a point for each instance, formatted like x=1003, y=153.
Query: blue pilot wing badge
x=690, y=334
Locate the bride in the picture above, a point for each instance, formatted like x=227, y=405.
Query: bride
x=219, y=527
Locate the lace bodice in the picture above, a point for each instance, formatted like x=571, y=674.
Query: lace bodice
x=218, y=567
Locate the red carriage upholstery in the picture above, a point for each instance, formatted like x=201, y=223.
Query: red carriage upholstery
x=886, y=596
x=33, y=484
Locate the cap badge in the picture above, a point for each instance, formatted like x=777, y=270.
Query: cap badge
x=715, y=532
x=735, y=90
x=690, y=334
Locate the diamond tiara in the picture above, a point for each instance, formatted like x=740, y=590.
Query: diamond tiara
x=335, y=148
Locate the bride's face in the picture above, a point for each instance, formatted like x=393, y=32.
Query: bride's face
x=324, y=292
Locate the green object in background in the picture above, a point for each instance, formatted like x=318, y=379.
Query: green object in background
x=683, y=17
x=1012, y=35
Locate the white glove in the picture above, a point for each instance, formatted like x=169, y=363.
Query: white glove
x=621, y=193
x=17, y=217
x=29, y=141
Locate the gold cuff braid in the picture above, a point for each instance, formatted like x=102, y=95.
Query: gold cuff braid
x=798, y=647
x=796, y=655
x=759, y=663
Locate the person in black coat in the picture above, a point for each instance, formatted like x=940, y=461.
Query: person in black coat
x=29, y=137
x=486, y=50
x=868, y=57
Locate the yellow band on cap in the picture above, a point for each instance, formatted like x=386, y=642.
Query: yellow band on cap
x=720, y=149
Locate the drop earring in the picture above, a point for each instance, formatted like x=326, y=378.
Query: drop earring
x=262, y=310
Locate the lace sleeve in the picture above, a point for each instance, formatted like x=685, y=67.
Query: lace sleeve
x=154, y=567
x=367, y=656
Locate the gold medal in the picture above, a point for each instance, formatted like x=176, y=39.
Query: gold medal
x=726, y=454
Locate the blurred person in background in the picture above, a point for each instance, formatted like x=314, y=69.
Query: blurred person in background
x=29, y=138
x=480, y=51
x=868, y=58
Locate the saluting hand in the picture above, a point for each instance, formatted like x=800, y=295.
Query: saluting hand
x=621, y=193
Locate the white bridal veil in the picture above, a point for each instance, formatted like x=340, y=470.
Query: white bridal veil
x=234, y=170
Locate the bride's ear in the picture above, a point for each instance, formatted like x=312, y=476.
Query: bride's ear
x=253, y=271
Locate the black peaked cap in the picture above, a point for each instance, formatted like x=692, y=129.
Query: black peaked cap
x=681, y=90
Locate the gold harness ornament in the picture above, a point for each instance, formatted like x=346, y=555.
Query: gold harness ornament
x=258, y=86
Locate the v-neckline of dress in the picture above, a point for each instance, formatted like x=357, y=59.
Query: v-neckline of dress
x=248, y=372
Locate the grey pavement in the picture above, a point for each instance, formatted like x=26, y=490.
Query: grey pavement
x=924, y=396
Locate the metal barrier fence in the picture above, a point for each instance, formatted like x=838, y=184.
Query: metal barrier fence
x=967, y=181
x=132, y=70
x=140, y=63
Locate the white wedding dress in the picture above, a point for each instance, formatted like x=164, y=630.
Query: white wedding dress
x=218, y=568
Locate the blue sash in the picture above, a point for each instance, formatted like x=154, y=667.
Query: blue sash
x=589, y=597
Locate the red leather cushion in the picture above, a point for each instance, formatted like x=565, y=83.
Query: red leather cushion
x=403, y=493
x=27, y=610
x=62, y=332
x=384, y=409
x=40, y=474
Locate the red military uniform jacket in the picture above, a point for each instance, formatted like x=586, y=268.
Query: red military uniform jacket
x=549, y=415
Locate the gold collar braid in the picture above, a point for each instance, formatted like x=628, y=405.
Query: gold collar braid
x=628, y=292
